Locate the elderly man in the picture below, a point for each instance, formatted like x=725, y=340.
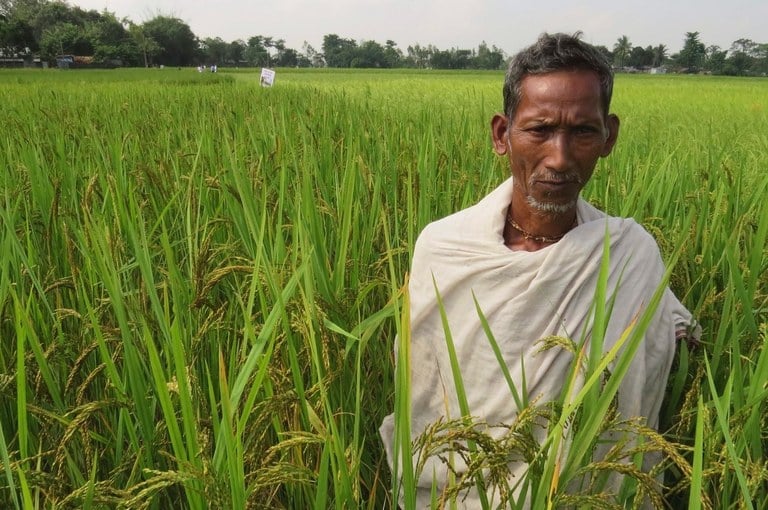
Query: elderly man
x=528, y=255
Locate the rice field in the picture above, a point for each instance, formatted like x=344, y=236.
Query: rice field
x=202, y=280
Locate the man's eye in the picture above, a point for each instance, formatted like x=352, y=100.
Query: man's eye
x=584, y=130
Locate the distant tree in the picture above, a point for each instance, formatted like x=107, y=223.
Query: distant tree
x=691, y=57
x=111, y=41
x=22, y=8
x=338, y=52
x=746, y=46
x=256, y=53
x=715, y=60
x=262, y=50
x=760, y=64
x=392, y=54
x=621, y=51
x=287, y=57
x=419, y=56
x=145, y=44
x=640, y=57
x=214, y=50
x=236, y=52
x=12, y=7
x=313, y=58
x=16, y=36
x=59, y=28
x=747, y=57
x=49, y=14
x=659, y=55
x=450, y=59
x=369, y=54
x=278, y=45
x=302, y=60
x=177, y=44
x=56, y=27
x=440, y=59
x=64, y=38
x=461, y=58
x=738, y=63
x=488, y=58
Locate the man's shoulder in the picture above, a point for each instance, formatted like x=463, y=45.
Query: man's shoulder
x=627, y=225
x=637, y=233
x=479, y=221
x=625, y=232
x=449, y=223
x=446, y=229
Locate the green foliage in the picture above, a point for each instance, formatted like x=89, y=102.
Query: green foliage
x=338, y=52
x=621, y=51
x=369, y=54
x=63, y=39
x=177, y=44
x=489, y=58
x=691, y=57
x=16, y=36
x=55, y=28
x=215, y=50
x=235, y=52
x=256, y=53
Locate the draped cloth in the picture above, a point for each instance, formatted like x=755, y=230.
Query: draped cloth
x=526, y=296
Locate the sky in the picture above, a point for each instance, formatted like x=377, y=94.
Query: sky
x=464, y=24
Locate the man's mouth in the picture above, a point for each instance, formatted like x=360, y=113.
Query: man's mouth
x=556, y=185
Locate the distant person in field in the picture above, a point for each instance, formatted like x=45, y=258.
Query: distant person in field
x=530, y=254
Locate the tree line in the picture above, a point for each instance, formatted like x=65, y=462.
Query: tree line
x=47, y=29
x=745, y=57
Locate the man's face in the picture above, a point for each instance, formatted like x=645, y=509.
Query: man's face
x=558, y=133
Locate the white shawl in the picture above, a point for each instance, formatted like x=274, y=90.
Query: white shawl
x=526, y=296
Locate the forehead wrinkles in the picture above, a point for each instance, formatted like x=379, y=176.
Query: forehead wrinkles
x=553, y=93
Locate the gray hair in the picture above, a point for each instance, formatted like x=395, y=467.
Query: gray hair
x=551, y=53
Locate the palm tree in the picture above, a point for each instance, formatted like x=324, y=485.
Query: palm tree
x=621, y=51
x=659, y=54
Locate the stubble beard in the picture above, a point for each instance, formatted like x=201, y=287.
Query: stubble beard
x=550, y=208
x=553, y=208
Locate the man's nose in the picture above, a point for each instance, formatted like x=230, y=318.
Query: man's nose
x=559, y=156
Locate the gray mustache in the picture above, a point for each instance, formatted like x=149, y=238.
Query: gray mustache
x=558, y=178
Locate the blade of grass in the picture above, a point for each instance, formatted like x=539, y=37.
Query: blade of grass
x=458, y=382
x=722, y=421
x=697, y=475
x=7, y=468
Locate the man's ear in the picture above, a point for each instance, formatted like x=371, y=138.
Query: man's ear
x=612, y=125
x=499, y=125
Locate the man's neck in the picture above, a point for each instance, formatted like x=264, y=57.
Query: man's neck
x=530, y=230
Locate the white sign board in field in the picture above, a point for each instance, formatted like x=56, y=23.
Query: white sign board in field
x=267, y=77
